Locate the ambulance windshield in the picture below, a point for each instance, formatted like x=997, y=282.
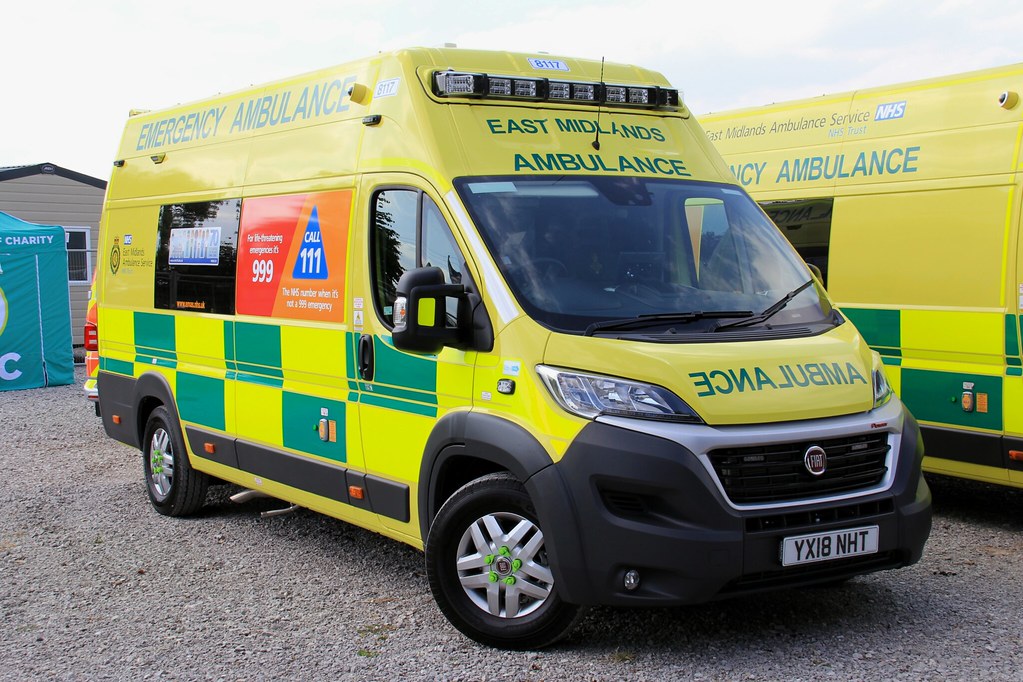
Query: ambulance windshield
x=643, y=256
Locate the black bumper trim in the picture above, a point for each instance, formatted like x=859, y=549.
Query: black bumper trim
x=646, y=503
x=970, y=447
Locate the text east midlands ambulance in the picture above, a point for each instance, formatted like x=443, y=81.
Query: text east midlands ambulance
x=511, y=310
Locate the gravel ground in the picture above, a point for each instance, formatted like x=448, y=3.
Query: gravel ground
x=94, y=584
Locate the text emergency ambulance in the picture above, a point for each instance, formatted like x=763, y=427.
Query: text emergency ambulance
x=907, y=197
x=509, y=309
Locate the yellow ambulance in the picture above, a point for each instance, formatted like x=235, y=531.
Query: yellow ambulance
x=907, y=197
x=511, y=309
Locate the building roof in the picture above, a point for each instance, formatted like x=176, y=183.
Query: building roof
x=14, y=172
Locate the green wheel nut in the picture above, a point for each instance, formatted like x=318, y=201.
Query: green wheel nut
x=504, y=551
x=488, y=559
x=510, y=580
x=517, y=564
x=493, y=576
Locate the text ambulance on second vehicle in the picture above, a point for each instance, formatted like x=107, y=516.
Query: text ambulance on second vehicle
x=907, y=197
x=513, y=310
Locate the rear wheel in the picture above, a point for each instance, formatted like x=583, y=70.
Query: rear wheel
x=488, y=567
x=175, y=488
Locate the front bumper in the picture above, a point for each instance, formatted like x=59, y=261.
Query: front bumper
x=623, y=499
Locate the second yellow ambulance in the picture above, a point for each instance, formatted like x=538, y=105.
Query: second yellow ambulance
x=907, y=197
x=511, y=309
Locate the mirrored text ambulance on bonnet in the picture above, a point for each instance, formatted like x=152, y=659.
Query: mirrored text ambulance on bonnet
x=510, y=309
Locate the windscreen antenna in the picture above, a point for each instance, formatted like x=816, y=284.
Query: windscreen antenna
x=596, y=139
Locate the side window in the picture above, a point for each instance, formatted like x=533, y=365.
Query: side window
x=408, y=232
x=807, y=225
x=195, y=256
x=395, y=215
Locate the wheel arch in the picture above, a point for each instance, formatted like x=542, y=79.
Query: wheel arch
x=151, y=391
x=126, y=403
x=464, y=446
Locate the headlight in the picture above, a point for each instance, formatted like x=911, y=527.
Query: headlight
x=590, y=395
x=882, y=389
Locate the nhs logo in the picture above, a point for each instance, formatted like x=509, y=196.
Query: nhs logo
x=886, y=112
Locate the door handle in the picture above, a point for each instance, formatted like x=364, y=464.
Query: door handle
x=366, y=357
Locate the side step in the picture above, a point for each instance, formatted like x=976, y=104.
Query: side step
x=246, y=495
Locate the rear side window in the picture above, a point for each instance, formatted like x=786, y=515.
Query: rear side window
x=196, y=255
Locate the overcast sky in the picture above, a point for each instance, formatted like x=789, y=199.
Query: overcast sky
x=72, y=70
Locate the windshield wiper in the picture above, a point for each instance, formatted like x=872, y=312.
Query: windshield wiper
x=642, y=321
x=768, y=311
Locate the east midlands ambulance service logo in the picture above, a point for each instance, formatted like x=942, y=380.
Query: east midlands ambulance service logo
x=115, y=257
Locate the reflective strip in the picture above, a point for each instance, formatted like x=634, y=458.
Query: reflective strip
x=1012, y=339
x=117, y=366
x=506, y=308
x=157, y=361
x=200, y=400
x=398, y=405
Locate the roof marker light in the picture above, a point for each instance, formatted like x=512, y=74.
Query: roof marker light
x=452, y=83
x=500, y=86
x=639, y=96
x=556, y=90
x=584, y=91
x=526, y=88
x=616, y=94
x=667, y=98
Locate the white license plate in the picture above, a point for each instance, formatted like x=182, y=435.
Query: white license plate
x=836, y=544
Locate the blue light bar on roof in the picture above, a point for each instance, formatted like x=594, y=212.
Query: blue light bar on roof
x=456, y=84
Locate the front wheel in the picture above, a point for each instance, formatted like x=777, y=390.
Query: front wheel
x=175, y=488
x=488, y=567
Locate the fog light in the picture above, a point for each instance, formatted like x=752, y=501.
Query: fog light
x=631, y=580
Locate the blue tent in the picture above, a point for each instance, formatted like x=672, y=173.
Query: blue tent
x=35, y=311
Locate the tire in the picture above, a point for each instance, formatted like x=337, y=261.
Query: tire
x=175, y=488
x=488, y=568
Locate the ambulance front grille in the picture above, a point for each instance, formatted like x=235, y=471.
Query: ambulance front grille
x=777, y=473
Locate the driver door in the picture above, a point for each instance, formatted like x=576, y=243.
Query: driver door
x=402, y=395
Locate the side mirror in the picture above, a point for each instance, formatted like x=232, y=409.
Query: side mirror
x=816, y=272
x=420, y=313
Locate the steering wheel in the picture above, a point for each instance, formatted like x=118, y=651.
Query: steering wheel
x=549, y=268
